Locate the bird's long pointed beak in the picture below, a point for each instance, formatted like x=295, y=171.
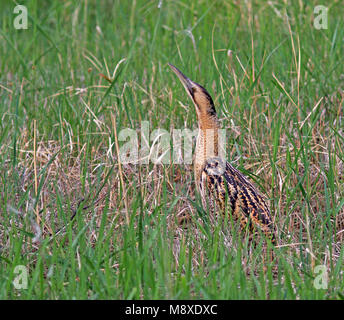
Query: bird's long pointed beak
x=187, y=83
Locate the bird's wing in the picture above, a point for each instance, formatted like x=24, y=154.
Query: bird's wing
x=223, y=184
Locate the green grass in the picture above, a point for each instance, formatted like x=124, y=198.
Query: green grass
x=279, y=95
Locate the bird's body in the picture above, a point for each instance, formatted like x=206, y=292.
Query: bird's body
x=221, y=186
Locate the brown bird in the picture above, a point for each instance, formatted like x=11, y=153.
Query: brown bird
x=218, y=182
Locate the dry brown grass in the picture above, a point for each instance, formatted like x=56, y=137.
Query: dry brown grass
x=63, y=178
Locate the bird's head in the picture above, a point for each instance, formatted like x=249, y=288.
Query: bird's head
x=202, y=100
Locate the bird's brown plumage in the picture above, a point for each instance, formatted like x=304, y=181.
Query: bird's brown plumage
x=222, y=187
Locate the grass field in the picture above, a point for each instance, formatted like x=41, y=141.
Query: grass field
x=138, y=230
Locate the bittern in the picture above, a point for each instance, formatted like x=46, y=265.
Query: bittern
x=221, y=186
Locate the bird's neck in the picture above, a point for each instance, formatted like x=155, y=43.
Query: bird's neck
x=207, y=145
x=208, y=135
